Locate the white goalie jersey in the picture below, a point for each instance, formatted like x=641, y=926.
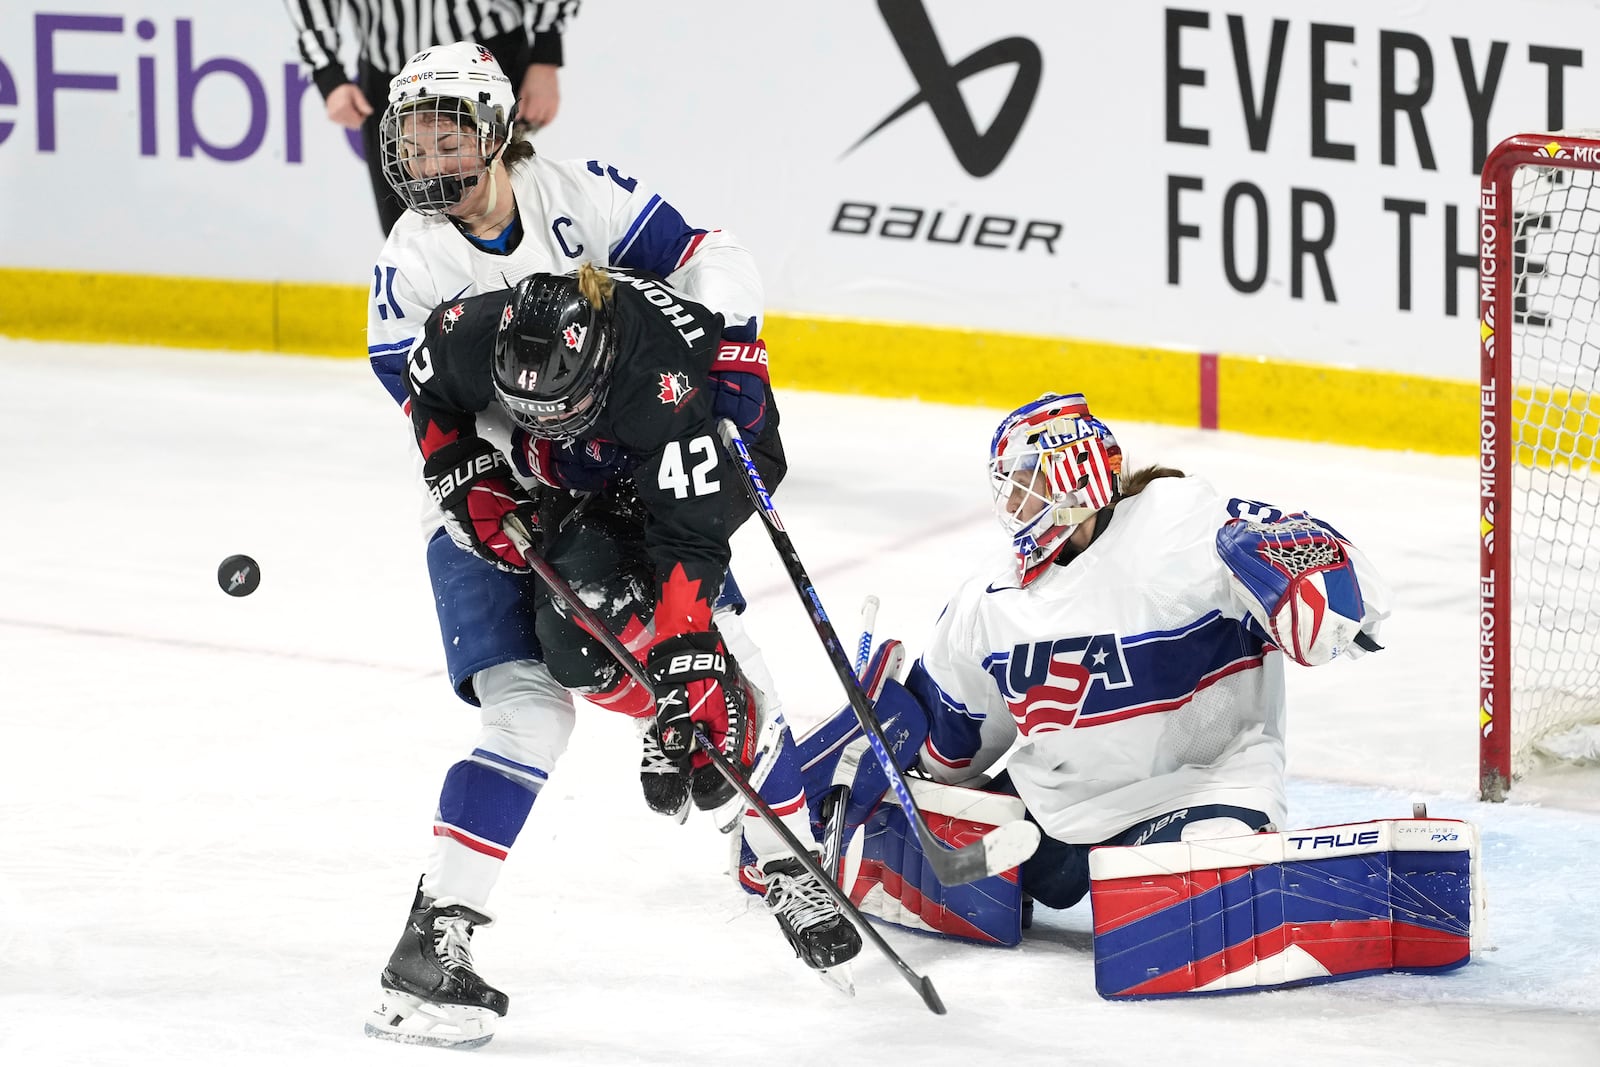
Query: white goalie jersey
x=1134, y=681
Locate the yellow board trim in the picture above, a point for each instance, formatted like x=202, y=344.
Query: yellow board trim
x=1273, y=398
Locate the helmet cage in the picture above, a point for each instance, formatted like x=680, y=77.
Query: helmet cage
x=553, y=357
x=455, y=92
x=1051, y=466
x=429, y=179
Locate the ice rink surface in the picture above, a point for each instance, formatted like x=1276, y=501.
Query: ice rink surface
x=215, y=809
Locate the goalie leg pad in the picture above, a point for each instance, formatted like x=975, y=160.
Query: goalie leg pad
x=1283, y=909
x=836, y=752
x=894, y=882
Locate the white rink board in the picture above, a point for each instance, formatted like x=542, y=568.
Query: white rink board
x=746, y=115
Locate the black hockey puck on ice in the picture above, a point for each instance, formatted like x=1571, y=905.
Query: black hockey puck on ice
x=239, y=575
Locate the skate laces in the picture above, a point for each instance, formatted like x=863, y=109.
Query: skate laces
x=452, y=942
x=801, y=902
x=652, y=760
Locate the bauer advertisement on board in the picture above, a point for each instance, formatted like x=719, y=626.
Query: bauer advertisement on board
x=1297, y=181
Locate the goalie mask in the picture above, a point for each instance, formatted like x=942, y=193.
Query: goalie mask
x=553, y=357
x=448, y=120
x=1051, y=466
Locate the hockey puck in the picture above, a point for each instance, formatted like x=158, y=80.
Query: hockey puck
x=239, y=575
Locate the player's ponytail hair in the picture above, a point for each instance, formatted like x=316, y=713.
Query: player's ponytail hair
x=1133, y=484
x=517, y=150
x=595, y=285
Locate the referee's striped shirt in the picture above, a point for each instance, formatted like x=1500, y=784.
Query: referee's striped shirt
x=392, y=31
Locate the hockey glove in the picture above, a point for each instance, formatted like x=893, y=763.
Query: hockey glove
x=586, y=466
x=1297, y=578
x=739, y=382
x=697, y=683
x=741, y=398
x=472, y=484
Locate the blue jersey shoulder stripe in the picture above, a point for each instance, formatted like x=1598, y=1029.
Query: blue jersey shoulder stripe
x=392, y=346
x=656, y=240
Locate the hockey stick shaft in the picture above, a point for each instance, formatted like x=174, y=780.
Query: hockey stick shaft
x=520, y=537
x=1000, y=849
x=837, y=800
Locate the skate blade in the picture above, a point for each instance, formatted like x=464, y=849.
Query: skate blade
x=841, y=978
x=412, y=1021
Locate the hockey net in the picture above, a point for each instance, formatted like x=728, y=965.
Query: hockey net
x=1539, y=483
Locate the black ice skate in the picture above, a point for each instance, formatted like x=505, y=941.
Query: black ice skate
x=665, y=783
x=817, y=930
x=431, y=994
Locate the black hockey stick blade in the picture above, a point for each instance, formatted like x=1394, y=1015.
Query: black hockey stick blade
x=997, y=851
x=921, y=983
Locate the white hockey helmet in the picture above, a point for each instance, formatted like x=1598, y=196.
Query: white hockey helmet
x=1051, y=466
x=448, y=119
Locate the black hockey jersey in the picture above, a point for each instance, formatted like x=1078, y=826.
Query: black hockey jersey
x=658, y=409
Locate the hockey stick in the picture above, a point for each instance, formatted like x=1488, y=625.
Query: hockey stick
x=520, y=537
x=1000, y=849
x=921, y=983
x=837, y=799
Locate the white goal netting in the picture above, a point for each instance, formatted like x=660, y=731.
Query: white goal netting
x=1555, y=506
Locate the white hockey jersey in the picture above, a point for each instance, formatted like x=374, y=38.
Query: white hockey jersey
x=1132, y=681
x=572, y=212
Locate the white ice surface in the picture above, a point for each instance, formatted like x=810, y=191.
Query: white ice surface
x=213, y=810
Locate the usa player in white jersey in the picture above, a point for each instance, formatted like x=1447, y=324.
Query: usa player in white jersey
x=484, y=212
x=1127, y=654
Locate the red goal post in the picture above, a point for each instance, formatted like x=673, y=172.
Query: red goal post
x=1538, y=484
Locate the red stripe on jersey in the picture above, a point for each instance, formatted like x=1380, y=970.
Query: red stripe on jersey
x=690, y=248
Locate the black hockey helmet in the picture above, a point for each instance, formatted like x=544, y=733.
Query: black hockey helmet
x=553, y=356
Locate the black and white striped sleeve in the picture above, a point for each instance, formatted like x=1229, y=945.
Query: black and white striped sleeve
x=546, y=22
x=316, y=24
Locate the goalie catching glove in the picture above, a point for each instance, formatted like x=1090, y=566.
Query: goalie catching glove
x=1300, y=580
x=473, y=485
x=697, y=683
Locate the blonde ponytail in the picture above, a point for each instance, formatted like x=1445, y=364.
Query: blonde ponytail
x=595, y=285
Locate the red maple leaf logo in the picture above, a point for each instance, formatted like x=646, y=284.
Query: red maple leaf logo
x=573, y=336
x=675, y=388
x=436, y=438
x=679, y=606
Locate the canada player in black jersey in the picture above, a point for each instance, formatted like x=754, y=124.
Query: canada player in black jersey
x=614, y=381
